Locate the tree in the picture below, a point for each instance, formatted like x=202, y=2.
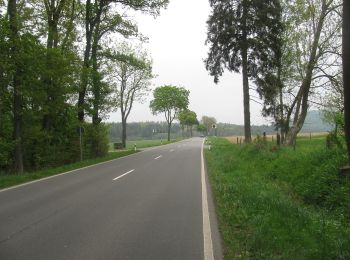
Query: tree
x=208, y=122
x=346, y=70
x=308, y=61
x=95, y=13
x=201, y=128
x=169, y=100
x=243, y=35
x=316, y=44
x=131, y=72
x=15, y=82
x=188, y=118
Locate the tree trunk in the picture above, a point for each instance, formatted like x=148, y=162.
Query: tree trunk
x=16, y=84
x=302, y=103
x=169, y=127
x=346, y=71
x=246, y=98
x=95, y=80
x=123, y=130
x=89, y=27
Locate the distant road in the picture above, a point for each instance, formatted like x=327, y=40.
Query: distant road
x=144, y=206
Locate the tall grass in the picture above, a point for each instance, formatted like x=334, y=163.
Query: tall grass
x=280, y=203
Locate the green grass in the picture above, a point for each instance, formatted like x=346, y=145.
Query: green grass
x=144, y=143
x=280, y=203
x=15, y=179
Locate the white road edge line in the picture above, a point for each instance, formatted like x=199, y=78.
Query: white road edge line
x=65, y=173
x=208, y=243
x=160, y=156
x=121, y=176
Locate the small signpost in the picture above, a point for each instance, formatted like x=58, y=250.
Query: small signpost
x=214, y=127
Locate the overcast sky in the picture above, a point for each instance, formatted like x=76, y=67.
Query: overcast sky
x=177, y=46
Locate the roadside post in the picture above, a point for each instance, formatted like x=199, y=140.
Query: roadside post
x=214, y=128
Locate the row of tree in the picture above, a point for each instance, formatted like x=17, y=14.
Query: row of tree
x=289, y=51
x=62, y=68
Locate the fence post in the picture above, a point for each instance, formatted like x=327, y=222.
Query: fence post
x=278, y=139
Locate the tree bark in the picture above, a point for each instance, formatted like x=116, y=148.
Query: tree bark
x=123, y=131
x=16, y=84
x=346, y=70
x=96, y=88
x=169, y=127
x=246, y=98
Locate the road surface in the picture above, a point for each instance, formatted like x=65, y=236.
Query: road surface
x=145, y=206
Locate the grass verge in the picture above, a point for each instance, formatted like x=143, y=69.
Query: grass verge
x=279, y=203
x=15, y=179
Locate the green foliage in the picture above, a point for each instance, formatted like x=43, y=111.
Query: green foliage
x=188, y=117
x=169, y=99
x=201, y=128
x=281, y=203
x=96, y=140
x=235, y=26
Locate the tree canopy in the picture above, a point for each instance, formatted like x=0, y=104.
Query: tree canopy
x=169, y=100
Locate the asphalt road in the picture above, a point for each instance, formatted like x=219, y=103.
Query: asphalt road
x=144, y=206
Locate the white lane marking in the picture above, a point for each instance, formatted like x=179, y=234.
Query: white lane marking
x=172, y=150
x=82, y=168
x=207, y=240
x=64, y=173
x=121, y=176
x=160, y=156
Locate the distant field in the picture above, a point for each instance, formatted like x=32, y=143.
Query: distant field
x=233, y=139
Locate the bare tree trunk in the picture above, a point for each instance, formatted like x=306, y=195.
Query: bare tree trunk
x=302, y=103
x=16, y=84
x=123, y=130
x=246, y=98
x=169, y=127
x=95, y=79
x=346, y=70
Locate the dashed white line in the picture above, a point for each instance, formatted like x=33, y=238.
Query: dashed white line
x=160, y=156
x=172, y=150
x=121, y=176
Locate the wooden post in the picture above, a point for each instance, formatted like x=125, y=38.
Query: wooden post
x=237, y=140
x=264, y=137
x=278, y=139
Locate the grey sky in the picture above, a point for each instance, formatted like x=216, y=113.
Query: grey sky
x=176, y=44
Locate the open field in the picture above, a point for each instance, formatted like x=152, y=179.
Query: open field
x=280, y=203
x=233, y=139
x=7, y=180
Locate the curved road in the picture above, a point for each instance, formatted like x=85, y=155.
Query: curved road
x=144, y=206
